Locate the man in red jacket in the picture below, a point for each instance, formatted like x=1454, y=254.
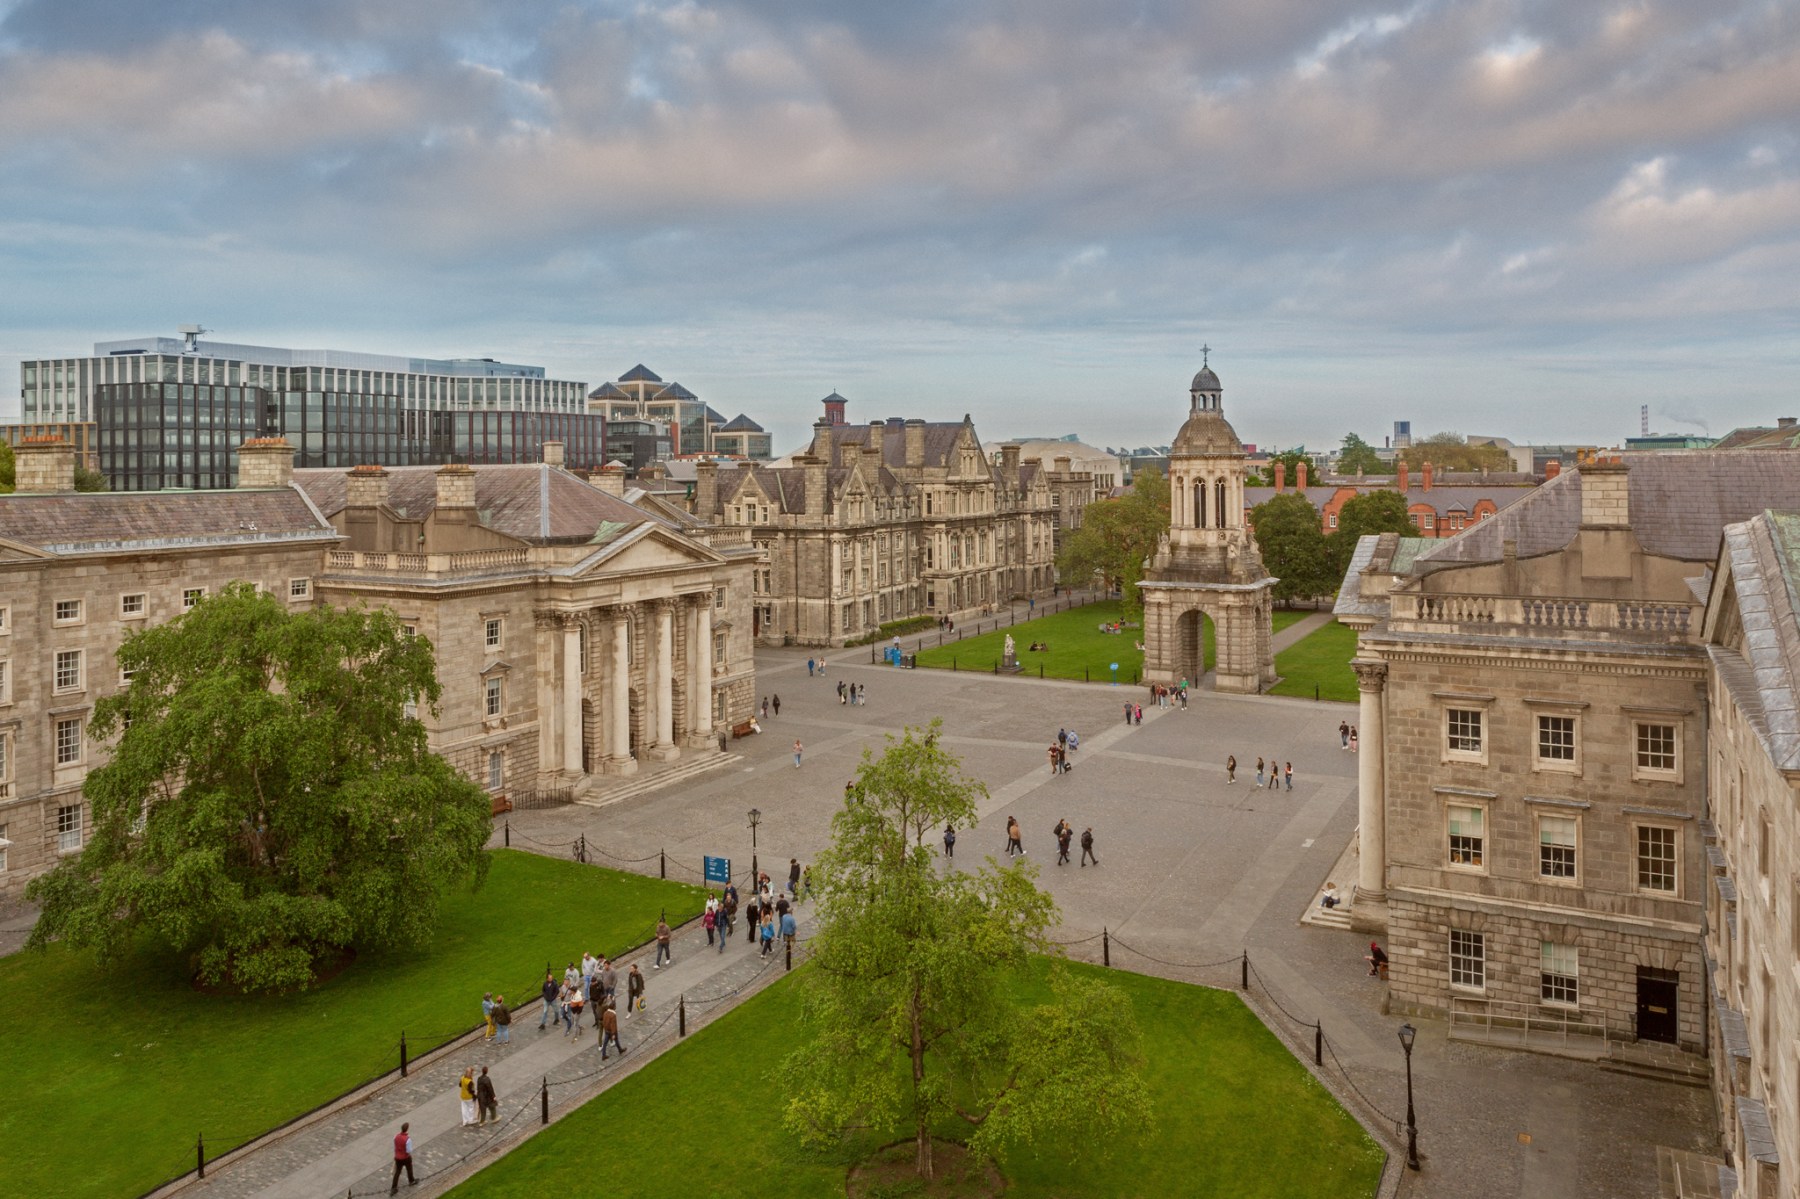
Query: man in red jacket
x=403, y=1159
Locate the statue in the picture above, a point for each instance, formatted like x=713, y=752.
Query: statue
x=1009, y=661
x=1009, y=648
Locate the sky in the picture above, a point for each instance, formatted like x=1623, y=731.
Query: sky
x=1521, y=219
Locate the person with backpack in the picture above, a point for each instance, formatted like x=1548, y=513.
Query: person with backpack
x=634, y=990
x=1087, y=846
x=502, y=1019
x=1065, y=835
x=950, y=841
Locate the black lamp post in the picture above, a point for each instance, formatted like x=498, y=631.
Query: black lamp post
x=755, y=819
x=1407, y=1033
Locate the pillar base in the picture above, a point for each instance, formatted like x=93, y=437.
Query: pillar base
x=619, y=766
x=1369, y=911
x=661, y=753
x=1236, y=684
x=700, y=739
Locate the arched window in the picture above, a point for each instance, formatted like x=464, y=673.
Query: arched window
x=1200, y=504
x=1225, y=521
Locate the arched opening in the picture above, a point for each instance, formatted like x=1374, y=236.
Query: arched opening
x=1200, y=504
x=1224, y=517
x=1194, y=646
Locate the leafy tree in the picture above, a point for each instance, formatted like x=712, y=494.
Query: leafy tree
x=1452, y=451
x=8, y=468
x=268, y=802
x=1290, y=461
x=88, y=480
x=1357, y=454
x=915, y=1025
x=1293, y=547
x=1381, y=511
x=1117, y=536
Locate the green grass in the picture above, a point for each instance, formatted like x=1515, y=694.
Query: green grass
x=1321, y=659
x=1078, y=649
x=1235, y=1116
x=115, y=1066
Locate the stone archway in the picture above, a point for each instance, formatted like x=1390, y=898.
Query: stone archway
x=1190, y=650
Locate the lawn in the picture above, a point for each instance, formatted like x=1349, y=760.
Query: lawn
x=1236, y=1116
x=1078, y=649
x=116, y=1065
x=1320, y=659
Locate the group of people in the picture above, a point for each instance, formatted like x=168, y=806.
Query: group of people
x=1065, y=744
x=852, y=693
x=593, y=986
x=1275, y=773
x=1346, y=736
x=1038, y=647
x=1064, y=832
x=480, y=1105
x=1166, y=696
x=768, y=914
x=1134, y=713
x=765, y=706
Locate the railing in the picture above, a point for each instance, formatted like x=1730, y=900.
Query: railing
x=1546, y=1020
x=1551, y=614
x=463, y=562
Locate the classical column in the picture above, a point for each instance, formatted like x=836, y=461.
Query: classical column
x=549, y=727
x=700, y=695
x=664, y=747
x=618, y=687
x=1371, y=822
x=571, y=713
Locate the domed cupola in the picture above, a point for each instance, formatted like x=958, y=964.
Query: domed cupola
x=1206, y=432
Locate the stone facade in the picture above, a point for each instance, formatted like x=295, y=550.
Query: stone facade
x=1208, y=566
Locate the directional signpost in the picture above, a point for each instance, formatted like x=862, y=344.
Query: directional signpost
x=718, y=870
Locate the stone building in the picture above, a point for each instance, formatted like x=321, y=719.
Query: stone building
x=1208, y=566
x=1533, y=757
x=879, y=522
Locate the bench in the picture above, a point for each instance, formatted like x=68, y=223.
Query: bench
x=743, y=729
x=502, y=805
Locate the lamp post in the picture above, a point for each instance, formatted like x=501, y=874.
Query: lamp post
x=755, y=819
x=1407, y=1033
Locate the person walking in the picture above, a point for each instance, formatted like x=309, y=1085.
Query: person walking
x=777, y=704
x=634, y=988
x=1288, y=776
x=1087, y=846
x=609, y=1032
x=1343, y=734
x=1055, y=767
x=487, y=1015
x=403, y=1159
x=1183, y=694
x=1063, y=839
x=549, y=991
x=1127, y=713
x=664, y=950
x=465, y=1090
x=840, y=691
x=767, y=930
x=753, y=912
x=1013, y=844
x=708, y=919
x=797, y=750
x=609, y=983
x=789, y=927
x=809, y=668
x=1259, y=772
x=503, y=1019
x=950, y=841
x=1138, y=709
x=765, y=707
x=1231, y=768
x=1274, y=774
x=486, y=1102
x=1352, y=738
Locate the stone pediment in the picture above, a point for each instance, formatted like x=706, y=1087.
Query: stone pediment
x=648, y=548
x=14, y=551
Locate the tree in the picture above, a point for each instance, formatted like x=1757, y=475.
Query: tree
x=8, y=468
x=1290, y=461
x=1356, y=454
x=1117, y=536
x=1293, y=547
x=269, y=801
x=913, y=1021
x=1452, y=451
x=88, y=480
x=1380, y=511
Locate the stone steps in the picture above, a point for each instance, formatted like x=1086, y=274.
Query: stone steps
x=613, y=791
x=1338, y=917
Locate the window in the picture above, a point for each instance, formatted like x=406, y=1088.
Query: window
x=5, y=768
x=68, y=828
x=496, y=770
x=1463, y=730
x=5, y=620
x=1558, y=973
x=1556, y=847
x=68, y=741
x=191, y=596
x=495, y=696
x=68, y=611
x=1466, y=835
x=132, y=606
x=1764, y=846
x=719, y=599
x=494, y=627
x=1656, y=859
x=1468, y=960
x=68, y=670
x=5, y=682
x=299, y=589
x=1656, y=749
x=5, y=844
x=1331, y=520
x=1556, y=739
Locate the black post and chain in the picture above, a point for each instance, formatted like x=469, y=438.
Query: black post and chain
x=403, y=1053
x=1105, y=946
x=790, y=955
x=1244, y=979
x=681, y=1014
x=509, y=834
x=544, y=1101
x=200, y=1153
x=1319, y=1043
x=662, y=866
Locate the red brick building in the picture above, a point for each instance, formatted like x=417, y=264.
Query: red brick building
x=1440, y=506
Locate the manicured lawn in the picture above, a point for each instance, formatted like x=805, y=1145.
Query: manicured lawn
x=1321, y=659
x=1236, y=1116
x=1078, y=649
x=114, y=1066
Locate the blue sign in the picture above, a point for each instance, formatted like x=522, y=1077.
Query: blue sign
x=1115, y=666
x=718, y=870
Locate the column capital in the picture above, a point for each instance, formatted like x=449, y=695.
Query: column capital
x=1371, y=675
x=571, y=620
x=546, y=618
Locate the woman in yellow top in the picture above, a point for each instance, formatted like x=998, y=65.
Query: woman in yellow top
x=466, y=1089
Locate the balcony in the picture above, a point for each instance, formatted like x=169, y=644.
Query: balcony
x=427, y=566
x=1550, y=616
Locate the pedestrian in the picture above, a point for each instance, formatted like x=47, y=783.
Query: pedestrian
x=1288, y=776
x=1259, y=772
x=768, y=933
x=486, y=1102
x=664, y=952
x=1031, y=605
x=765, y=707
x=1231, y=768
x=403, y=1159
x=1343, y=734
x=789, y=926
x=609, y=983
x=1274, y=774
x=1378, y=961
x=794, y=877
x=549, y=991
x=1352, y=738
x=1055, y=767
x=1087, y=846
x=809, y=668
x=950, y=841
x=1139, y=710
x=1127, y=713
x=1013, y=844
x=707, y=919
x=1062, y=738
x=797, y=748
x=609, y=1032
x=753, y=914
x=577, y=1005
x=487, y=1015
x=465, y=1090
x=503, y=1019
x=634, y=989
x=1183, y=697
x=840, y=691
x=821, y=666
x=1063, y=839
x=777, y=702
x=806, y=883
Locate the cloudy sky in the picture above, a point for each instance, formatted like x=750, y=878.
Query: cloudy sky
x=1513, y=218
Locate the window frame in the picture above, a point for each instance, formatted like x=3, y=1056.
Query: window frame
x=1569, y=765
x=1550, y=980
x=496, y=770
x=300, y=588
x=143, y=605
x=1671, y=774
x=58, y=620
x=79, y=683
x=191, y=597
x=1479, y=865
x=1638, y=829
x=67, y=824
x=493, y=697
x=1451, y=751
x=5, y=681
x=493, y=632
x=1479, y=958
x=77, y=747
x=1573, y=878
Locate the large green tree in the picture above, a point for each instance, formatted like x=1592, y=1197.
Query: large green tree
x=1117, y=536
x=269, y=800
x=1380, y=511
x=1357, y=454
x=8, y=468
x=1293, y=547
x=1452, y=451
x=911, y=1011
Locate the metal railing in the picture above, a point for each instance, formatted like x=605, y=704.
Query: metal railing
x=1472, y=1012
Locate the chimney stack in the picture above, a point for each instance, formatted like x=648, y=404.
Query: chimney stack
x=1400, y=475
x=1009, y=464
x=610, y=479
x=915, y=443
x=1605, y=494
x=455, y=486
x=553, y=454
x=1065, y=465
x=817, y=480
x=365, y=487
x=706, y=488
x=1280, y=477
x=265, y=462
x=45, y=465
x=1552, y=469
x=1784, y=422
x=1427, y=481
x=1300, y=477
x=821, y=442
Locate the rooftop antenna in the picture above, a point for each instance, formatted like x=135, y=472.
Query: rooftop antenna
x=190, y=336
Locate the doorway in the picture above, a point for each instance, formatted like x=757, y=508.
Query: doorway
x=1656, y=1004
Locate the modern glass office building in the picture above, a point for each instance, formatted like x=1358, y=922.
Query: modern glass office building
x=171, y=413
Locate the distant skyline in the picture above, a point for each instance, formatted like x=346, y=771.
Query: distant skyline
x=1503, y=218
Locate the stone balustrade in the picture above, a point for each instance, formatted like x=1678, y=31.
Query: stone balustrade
x=426, y=565
x=1547, y=615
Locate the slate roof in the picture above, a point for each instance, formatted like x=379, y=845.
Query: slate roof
x=1350, y=601
x=676, y=391
x=532, y=502
x=1760, y=437
x=1763, y=558
x=640, y=374
x=740, y=424
x=940, y=440
x=1679, y=503
x=69, y=522
x=608, y=391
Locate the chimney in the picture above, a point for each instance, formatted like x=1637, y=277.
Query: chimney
x=1300, y=477
x=1009, y=464
x=1400, y=475
x=455, y=486
x=610, y=479
x=1552, y=468
x=1427, y=482
x=816, y=482
x=553, y=454
x=834, y=409
x=265, y=462
x=365, y=487
x=1605, y=494
x=821, y=442
x=45, y=463
x=1784, y=422
x=1280, y=477
x=1064, y=464
x=706, y=489
x=915, y=443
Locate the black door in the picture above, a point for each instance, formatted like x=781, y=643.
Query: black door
x=1656, y=1004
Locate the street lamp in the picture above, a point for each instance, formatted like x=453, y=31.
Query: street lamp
x=755, y=819
x=1407, y=1033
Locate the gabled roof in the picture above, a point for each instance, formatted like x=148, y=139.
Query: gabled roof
x=740, y=424
x=532, y=502
x=69, y=522
x=1760, y=560
x=1760, y=437
x=640, y=374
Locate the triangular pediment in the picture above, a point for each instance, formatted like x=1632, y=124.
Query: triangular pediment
x=18, y=551
x=649, y=549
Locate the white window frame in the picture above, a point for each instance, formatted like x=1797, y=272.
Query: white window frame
x=1638, y=828
x=78, y=683
x=1476, y=867
x=1553, y=978
x=5, y=844
x=71, y=829
x=191, y=597
x=1451, y=751
x=6, y=758
x=493, y=632
x=1569, y=765
x=142, y=612
x=1472, y=964
x=1573, y=878
x=1656, y=773
x=493, y=697
x=78, y=746
x=77, y=616
x=5, y=620
x=496, y=770
x=299, y=589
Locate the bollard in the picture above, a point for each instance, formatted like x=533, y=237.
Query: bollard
x=1105, y=946
x=1319, y=1044
x=509, y=834
x=1315, y=691
x=790, y=955
x=952, y=663
x=1040, y=670
x=681, y=1013
x=996, y=668
x=544, y=1101
x=1244, y=973
x=200, y=1153
x=1084, y=675
x=662, y=867
x=403, y=1053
